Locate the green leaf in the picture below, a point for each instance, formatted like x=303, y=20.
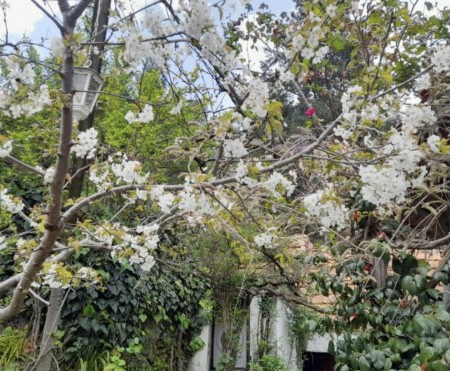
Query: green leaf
x=438, y=366
x=88, y=310
x=409, y=285
x=363, y=364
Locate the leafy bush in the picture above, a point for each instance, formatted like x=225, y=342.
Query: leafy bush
x=269, y=363
x=13, y=348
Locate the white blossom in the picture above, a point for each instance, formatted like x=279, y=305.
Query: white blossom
x=267, y=240
x=276, y=179
x=434, y=142
x=423, y=82
x=144, y=117
x=441, y=58
x=128, y=171
x=165, y=199
x=328, y=211
x=188, y=202
x=257, y=98
x=5, y=149
x=177, y=109
x=12, y=205
x=241, y=171
x=100, y=180
x=234, y=148
x=86, y=142
x=49, y=175
x=331, y=10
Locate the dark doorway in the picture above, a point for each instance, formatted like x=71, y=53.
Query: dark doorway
x=318, y=362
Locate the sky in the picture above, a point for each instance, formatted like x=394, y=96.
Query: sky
x=24, y=17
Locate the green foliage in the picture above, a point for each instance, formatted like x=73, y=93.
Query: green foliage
x=269, y=363
x=13, y=350
x=131, y=310
x=402, y=326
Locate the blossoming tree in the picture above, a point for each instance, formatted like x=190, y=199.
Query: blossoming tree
x=382, y=159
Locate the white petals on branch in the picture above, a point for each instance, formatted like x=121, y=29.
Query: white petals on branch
x=267, y=240
x=5, y=149
x=177, y=109
x=129, y=171
x=234, y=148
x=441, y=58
x=278, y=183
x=165, y=199
x=144, y=117
x=423, y=82
x=49, y=175
x=327, y=208
x=85, y=146
x=434, y=142
x=258, y=96
x=12, y=205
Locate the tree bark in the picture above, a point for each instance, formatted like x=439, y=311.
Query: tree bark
x=45, y=359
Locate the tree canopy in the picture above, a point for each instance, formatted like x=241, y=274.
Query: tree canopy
x=321, y=170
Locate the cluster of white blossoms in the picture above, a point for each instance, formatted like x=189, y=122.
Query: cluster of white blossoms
x=27, y=106
x=441, y=58
x=87, y=274
x=12, y=205
x=390, y=182
x=423, y=82
x=165, y=199
x=308, y=47
x=267, y=240
x=86, y=143
x=6, y=148
x=100, y=180
x=328, y=210
x=257, y=97
x=17, y=73
x=234, y=148
x=142, y=244
x=277, y=180
x=385, y=185
x=434, y=142
x=241, y=171
x=136, y=50
x=198, y=17
x=128, y=171
x=30, y=102
x=143, y=117
x=51, y=278
x=49, y=175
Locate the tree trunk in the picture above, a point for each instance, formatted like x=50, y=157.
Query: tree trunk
x=45, y=359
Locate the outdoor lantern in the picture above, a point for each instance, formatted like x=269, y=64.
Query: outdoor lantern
x=87, y=83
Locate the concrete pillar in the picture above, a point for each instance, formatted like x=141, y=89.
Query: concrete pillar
x=201, y=359
x=285, y=347
x=254, y=335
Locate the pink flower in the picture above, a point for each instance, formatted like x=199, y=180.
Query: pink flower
x=310, y=111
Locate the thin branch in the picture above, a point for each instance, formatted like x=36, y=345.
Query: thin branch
x=25, y=165
x=38, y=297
